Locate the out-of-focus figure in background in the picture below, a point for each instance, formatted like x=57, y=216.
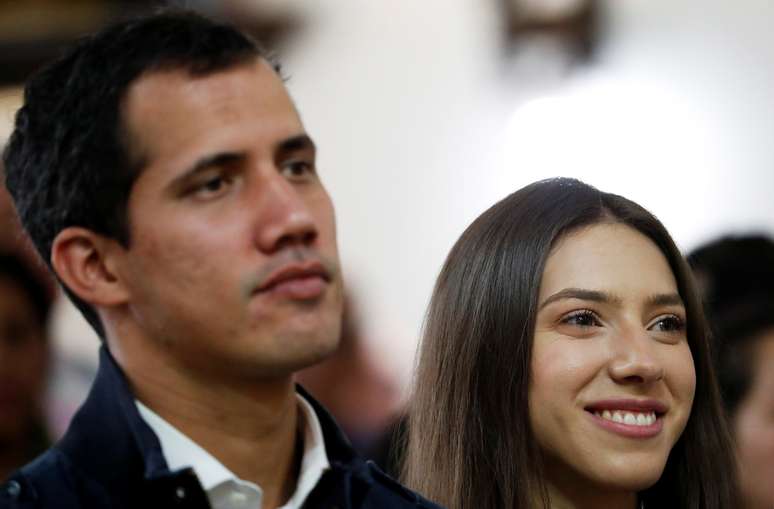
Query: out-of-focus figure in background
x=737, y=278
x=24, y=361
x=357, y=389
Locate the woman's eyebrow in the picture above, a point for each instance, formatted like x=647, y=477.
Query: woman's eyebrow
x=665, y=299
x=655, y=300
x=582, y=294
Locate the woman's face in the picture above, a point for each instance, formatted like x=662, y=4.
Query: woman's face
x=612, y=373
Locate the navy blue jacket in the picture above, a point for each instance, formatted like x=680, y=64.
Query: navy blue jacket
x=110, y=458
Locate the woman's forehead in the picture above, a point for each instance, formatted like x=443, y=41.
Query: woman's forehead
x=611, y=257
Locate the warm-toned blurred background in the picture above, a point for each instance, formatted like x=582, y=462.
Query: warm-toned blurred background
x=427, y=112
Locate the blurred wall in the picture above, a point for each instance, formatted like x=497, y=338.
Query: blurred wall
x=423, y=121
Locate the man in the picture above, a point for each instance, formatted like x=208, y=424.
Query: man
x=162, y=169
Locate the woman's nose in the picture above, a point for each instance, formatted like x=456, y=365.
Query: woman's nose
x=634, y=359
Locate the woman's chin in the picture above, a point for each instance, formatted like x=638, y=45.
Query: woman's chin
x=631, y=479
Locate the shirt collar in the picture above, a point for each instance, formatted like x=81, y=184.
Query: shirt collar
x=182, y=452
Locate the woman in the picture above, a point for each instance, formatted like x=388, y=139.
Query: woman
x=565, y=364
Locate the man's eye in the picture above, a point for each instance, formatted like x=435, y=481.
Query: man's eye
x=582, y=318
x=296, y=169
x=211, y=187
x=669, y=323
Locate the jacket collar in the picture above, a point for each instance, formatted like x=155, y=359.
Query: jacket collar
x=337, y=445
x=109, y=440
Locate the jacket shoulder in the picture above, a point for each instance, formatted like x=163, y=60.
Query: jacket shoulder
x=47, y=482
x=394, y=493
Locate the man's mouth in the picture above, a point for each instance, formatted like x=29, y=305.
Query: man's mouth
x=296, y=281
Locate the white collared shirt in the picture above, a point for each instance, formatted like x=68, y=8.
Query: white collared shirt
x=224, y=489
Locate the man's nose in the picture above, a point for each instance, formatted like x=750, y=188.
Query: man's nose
x=634, y=359
x=284, y=218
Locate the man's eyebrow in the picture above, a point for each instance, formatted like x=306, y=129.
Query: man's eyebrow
x=300, y=142
x=581, y=294
x=205, y=163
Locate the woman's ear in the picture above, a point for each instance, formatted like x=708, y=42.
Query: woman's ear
x=81, y=259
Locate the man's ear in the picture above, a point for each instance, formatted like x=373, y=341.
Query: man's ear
x=83, y=261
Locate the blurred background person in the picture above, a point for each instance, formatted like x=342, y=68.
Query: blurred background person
x=68, y=376
x=733, y=269
x=361, y=394
x=736, y=275
x=24, y=363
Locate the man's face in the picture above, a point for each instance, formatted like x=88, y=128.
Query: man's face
x=232, y=266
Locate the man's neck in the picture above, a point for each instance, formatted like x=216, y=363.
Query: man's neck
x=251, y=427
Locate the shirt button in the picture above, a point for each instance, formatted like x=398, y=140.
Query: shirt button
x=13, y=489
x=237, y=498
x=180, y=493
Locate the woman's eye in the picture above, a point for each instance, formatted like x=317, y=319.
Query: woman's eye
x=584, y=318
x=669, y=323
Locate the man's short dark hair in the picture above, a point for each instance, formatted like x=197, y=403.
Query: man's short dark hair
x=737, y=272
x=738, y=332
x=68, y=161
x=732, y=269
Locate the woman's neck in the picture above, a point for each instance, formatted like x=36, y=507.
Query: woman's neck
x=589, y=497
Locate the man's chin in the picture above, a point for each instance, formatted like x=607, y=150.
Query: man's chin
x=296, y=357
x=315, y=354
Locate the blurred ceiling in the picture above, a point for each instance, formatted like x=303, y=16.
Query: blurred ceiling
x=33, y=32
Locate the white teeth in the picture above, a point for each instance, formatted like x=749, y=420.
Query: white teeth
x=628, y=418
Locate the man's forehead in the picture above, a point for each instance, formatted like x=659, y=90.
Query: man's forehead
x=180, y=85
x=163, y=105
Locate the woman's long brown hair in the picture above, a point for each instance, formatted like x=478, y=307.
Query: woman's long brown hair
x=470, y=445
